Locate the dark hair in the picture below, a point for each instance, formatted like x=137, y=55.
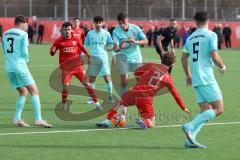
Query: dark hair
x=168, y=59
x=97, y=19
x=171, y=20
x=20, y=19
x=66, y=24
x=76, y=19
x=201, y=16
x=121, y=16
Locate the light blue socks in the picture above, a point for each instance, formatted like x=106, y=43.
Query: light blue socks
x=109, y=87
x=202, y=118
x=19, y=107
x=36, y=106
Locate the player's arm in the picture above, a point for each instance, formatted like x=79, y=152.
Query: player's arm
x=25, y=47
x=214, y=54
x=142, y=39
x=54, y=48
x=172, y=46
x=172, y=89
x=159, y=43
x=116, y=42
x=185, y=65
x=85, y=51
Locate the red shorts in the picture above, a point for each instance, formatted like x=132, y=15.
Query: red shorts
x=142, y=97
x=78, y=72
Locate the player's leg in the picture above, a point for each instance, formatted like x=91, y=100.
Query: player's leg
x=111, y=113
x=66, y=79
x=128, y=99
x=33, y=90
x=109, y=88
x=17, y=121
x=82, y=77
x=92, y=80
x=211, y=103
x=16, y=83
x=123, y=88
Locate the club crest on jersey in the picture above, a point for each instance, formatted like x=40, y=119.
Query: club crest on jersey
x=74, y=43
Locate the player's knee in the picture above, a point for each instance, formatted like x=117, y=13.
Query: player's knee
x=23, y=92
x=219, y=111
x=33, y=90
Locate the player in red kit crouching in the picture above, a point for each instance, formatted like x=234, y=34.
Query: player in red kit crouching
x=151, y=78
x=70, y=49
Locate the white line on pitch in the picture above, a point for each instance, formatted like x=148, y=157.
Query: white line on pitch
x=89, y=130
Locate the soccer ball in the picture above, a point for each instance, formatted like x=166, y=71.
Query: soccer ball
x=119, y=120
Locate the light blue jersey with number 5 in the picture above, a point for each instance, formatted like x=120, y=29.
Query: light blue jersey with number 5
x=15, y=46
x=199, y=45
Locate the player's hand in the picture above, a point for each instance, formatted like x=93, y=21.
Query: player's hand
x=187, y=111
x=132, y=40
x=122, y=45
x=222, y=70
x=189, y=81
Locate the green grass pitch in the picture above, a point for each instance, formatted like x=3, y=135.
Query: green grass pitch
x=158, y=143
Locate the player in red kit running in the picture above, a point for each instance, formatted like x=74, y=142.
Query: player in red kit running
x=151, y=78
x=70, y=49
x=77, y=30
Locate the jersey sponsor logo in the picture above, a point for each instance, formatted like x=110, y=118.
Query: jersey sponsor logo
x=69, y=49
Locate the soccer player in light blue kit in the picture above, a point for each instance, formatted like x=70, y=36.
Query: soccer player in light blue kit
x=15, y=47
x=201, y=49
x=127, y=38
x=97, y=41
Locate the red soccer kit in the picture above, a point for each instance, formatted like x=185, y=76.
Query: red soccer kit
x=70, y=62
x=152, y=78
x=69, y=58
x=79, y=33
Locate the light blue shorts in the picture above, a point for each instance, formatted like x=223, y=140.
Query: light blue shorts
x=20, y=78
x=98, y=67
x=208, y=93
x=124, y=66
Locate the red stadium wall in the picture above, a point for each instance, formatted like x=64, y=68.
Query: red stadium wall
x=52, y=27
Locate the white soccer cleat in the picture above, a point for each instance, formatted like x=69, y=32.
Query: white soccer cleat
x=20, y=123
x=90, y=101
x=43, y=123
x=98, y=106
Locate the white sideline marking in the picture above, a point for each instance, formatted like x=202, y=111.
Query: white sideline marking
x=102, y=129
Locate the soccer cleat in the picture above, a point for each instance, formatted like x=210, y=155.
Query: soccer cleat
x=188, y=133
x=188, y=144
x=104, y=124
x=141, y=124
x=98, y=106
x=111, y=99
x=90, y=101
x=43, y=123
x=20, y=123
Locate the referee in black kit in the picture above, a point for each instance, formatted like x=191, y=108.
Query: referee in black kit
x=165, y=38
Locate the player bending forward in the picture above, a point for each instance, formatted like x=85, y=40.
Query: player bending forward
x=70, y=63
x=151, y=78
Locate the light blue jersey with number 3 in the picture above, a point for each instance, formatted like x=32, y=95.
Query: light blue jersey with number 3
x=199, y=45
x=15, y=46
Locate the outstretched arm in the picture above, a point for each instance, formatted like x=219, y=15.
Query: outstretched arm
x=172, y=89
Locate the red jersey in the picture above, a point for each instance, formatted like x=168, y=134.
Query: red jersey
x=69, y=51
x=79, y=33
x=153, y=77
